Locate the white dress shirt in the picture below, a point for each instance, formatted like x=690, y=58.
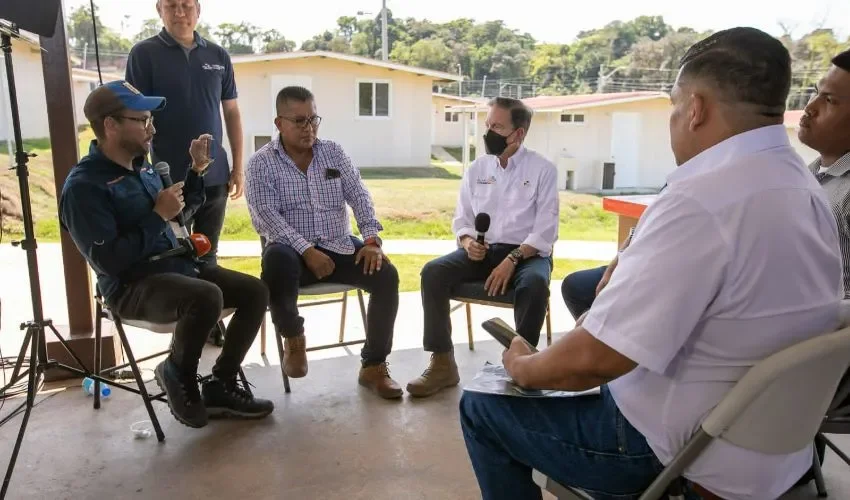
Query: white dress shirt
x=521, y=199
x=737, y=259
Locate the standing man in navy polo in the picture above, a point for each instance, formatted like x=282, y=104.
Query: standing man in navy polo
x=196, y=76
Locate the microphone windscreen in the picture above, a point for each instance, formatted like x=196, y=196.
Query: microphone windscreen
x=162, y=168
x=482, y=222
x=201, y=243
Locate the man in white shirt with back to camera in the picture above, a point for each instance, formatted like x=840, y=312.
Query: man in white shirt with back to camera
x=737, y=259
x=517, y=189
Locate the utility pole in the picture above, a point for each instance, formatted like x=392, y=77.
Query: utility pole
x=384, y=40
x=460, y=83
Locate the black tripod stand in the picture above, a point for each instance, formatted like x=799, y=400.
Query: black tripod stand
x=38, y=362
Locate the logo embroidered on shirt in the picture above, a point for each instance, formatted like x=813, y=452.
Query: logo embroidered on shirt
x=213, y=67
x=487, y=180
x=526, y=183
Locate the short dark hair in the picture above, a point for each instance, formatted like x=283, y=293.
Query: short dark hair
x=745, y=64
x=520, y=113
x=292, y=93
x=842, y=60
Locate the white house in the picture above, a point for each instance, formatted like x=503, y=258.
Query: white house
x=598, y=141
x=379, y=111
x=446, y=124
x=792, y=126
x=29, y=86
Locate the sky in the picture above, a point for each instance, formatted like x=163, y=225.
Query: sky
x=300, y=20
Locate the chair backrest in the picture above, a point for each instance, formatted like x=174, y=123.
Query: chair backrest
x=778, y=406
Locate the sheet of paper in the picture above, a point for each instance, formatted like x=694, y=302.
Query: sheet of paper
x=493, y=379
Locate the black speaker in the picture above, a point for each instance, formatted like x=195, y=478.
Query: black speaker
x=35, y=16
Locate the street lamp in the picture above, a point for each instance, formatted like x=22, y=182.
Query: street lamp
x=384, y=39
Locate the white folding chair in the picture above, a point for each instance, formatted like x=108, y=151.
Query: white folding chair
x=320, y=289
x=104, y=312
x=776, y=408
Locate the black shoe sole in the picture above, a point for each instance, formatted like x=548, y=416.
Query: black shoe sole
x=159, y=381
x=224, y=413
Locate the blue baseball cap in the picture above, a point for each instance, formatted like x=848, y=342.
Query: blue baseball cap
x=116, y=96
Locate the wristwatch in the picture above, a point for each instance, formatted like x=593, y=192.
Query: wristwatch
x=516, y=256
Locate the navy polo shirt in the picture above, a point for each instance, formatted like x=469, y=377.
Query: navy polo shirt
x=194, y=82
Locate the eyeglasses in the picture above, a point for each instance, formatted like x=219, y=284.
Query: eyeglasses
x=147, y=121
x=302, y=122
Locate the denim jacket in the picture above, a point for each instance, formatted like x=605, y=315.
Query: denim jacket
x=108, y=210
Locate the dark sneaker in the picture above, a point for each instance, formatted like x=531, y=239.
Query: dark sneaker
x=227, y=399
x=184, y=398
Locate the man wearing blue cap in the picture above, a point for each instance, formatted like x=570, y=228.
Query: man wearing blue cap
x=116, y=209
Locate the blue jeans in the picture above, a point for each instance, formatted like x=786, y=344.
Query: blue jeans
x=583, y=442
x=579, y=289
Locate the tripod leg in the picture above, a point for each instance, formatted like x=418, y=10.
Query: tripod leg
x=17, y=370
x=97, y=354
x=34, y=375
x=141, y=383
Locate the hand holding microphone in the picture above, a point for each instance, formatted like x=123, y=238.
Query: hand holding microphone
x=476, y=249
x=169, y=202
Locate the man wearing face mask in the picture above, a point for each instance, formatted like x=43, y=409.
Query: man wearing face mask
x=517, y=188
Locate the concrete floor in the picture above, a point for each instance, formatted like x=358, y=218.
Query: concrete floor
x=327, y=439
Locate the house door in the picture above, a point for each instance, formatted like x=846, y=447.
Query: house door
x=625, y=148
x=608, y=172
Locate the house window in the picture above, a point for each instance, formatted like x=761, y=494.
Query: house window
x=261, y=140
x=572, y=118
x=448, y=116
x=373, y=98
x=452, y=117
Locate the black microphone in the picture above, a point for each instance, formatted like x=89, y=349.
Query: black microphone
x=164, y=171
x=183, y=249
x=482, y=224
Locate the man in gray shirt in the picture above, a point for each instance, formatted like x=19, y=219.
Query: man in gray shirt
x=825, y=127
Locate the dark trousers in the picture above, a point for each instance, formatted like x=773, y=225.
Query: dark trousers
x=209, y=219
x=579, y=289
x=441, y=275
x=284, y=270
x=196, y=304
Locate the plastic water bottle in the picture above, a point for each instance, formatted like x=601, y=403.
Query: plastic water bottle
x=88, y=388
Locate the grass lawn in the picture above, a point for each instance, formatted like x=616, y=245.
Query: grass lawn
x=412, y=203
x=409, y=267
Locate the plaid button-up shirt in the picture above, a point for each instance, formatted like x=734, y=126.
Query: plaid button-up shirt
x=303, y=210
x=836, y=181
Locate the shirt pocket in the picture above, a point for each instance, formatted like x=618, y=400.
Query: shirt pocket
x=131, y=201
x=329, y=194
x=484, y=198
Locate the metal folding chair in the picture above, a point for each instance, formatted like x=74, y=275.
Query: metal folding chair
x=103, y=311
x=319, y=289
x=777, y=407
x=473, y=292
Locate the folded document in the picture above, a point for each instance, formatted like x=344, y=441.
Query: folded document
x=493, y=379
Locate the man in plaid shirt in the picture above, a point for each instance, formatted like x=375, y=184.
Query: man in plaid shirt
x=297, y=187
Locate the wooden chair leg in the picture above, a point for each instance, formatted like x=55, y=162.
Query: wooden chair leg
x=160, y=436
x=98, y=335
x=342, y=317
x=362, y=308
x=469, y=326
x=282, y=366
x=548, y=323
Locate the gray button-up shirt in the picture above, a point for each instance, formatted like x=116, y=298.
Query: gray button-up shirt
x=836, y=181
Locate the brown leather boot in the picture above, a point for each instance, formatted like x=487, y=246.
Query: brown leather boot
x=441, y=373
x=295, y=356
x=377, y=378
